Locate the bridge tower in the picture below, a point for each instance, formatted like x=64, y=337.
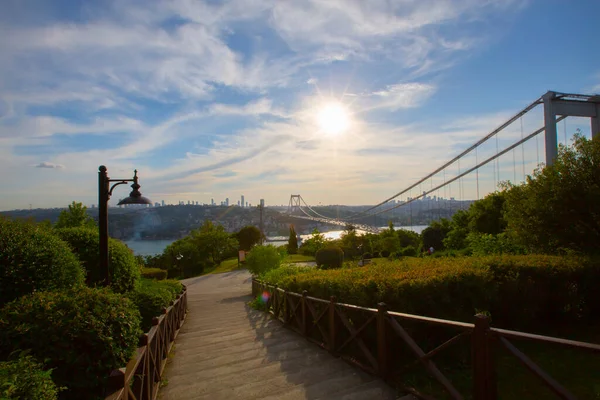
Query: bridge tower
x=567, y=105
x=294, y=204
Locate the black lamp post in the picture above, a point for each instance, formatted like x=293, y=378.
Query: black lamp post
x=104, y=193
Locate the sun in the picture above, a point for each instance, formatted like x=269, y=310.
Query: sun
x=333, y=118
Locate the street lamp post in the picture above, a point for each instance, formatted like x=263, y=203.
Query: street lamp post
x=104, y=192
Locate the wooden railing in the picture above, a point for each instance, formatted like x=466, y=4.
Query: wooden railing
x=340, y=329
x=140, y=378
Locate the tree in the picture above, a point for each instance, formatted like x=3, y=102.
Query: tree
x=75, y=217
x=313, y=244
x=558, y=207
x=213, y=241
x=487, y=215
x=434, y=234
x=248, y=237
x=350, y=242
x=456, y=238
x=292, y=247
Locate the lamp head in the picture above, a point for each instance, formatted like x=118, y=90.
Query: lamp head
x=135, y=197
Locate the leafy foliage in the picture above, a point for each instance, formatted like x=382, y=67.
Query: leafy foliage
x=150, y=297
x=248, y=237
x=84, y=334
x=292, y=247
x=558, y=207
x=75, y=216
x=201, y=249
x=154, y=273
x=434, y=234
x=33, y=259
x=122, y=264
x=25, y=378
x=263, y=259
x=519, y=291
x=311, y=245
x=330, y=257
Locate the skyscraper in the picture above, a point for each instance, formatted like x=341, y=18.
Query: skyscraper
x=242, y=201
x=227, y=201
x=212, y=202
x=163, y=203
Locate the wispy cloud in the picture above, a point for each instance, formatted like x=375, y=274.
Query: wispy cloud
x=204, y=93
x=49, y=165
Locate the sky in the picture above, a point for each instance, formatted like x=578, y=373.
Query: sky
x=341, y=101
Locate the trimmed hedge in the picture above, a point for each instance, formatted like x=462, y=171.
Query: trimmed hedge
x=25, y=378
x=83, y=334
x=330, y=257
x=154, y=273
x=520, y=291
x=151, y=296
x=33, y=259
x=122, y=264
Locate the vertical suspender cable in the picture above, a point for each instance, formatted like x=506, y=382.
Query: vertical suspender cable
x=514, y=167
x=477, y=171
x=523, y=150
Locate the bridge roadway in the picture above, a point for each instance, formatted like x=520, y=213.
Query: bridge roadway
x=226, y=350
x=360, y=227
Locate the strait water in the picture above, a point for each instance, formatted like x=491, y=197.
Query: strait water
x=153, y=247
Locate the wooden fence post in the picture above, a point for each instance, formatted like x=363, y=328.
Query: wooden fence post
x=382, y=348
x=332, y=327
x=304, y=313
x=484, y=379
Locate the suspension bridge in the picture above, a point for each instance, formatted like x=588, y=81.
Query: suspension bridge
x=491, y=151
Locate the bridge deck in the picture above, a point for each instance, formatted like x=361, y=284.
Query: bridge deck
x=225, y=350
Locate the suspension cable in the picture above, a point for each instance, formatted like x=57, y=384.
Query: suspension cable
x=481, y=164
x=468, y=150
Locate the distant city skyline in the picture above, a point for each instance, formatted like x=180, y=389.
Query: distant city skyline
x=343, y=103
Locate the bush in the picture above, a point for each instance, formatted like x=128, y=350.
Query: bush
x=25, y=378
x=154, y=273
x=367, y=256
x=408, y=251
x=84, y=334
x=151, y=296
x=263, y=259
x=384, y=253
x=521, y=292
x=123, y=267
x=330, y=257
x=33, y=259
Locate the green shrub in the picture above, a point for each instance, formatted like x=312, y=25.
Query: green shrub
x=276, y=275
x=408, y=251
x=367, y=256
x=25, y=378
x=151, y=296
x=521, y=292
x=32, y=259
x=330, y=257
x=84, y=334
x=262, y=259
x=154, y=273
x=123, y=267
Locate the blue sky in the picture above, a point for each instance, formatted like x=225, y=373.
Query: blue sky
x=211, y=99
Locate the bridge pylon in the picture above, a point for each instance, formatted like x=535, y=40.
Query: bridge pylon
x=294, y=205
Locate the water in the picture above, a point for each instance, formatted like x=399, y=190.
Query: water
x=154, y=247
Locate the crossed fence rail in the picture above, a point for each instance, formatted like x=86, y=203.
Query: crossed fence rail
x=140, y=378
x=337, y=328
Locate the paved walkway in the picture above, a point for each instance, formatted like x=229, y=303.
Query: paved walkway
x=226, y=350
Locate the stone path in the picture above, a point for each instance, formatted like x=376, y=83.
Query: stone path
x=226, y=350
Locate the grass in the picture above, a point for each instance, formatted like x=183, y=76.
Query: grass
x=291, y=258
x=231, y=264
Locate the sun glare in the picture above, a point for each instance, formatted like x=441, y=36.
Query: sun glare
x=333, y=118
